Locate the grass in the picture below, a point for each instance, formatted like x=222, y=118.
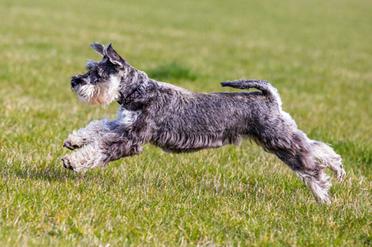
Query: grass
x=317, y=53
x=171, y=71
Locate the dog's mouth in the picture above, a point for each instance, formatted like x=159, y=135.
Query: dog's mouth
x=93, y=91
x=87, y=93
x=92, y=94
x=77, y=88
x=77, y=81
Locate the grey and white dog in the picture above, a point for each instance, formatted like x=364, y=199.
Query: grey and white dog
x=178, y=120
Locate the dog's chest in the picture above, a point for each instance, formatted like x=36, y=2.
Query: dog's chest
x=127, y=117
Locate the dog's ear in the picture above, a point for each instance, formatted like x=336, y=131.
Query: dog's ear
x=113, y=56
x=100, y=49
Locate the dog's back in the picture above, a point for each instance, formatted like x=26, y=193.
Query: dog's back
x=192, y=121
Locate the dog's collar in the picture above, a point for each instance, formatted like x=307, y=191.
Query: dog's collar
x=122, y=97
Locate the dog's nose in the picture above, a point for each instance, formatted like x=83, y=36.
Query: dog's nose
x=74, y=81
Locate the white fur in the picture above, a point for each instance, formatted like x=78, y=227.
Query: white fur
x=86, y=92
x=113, y=88
x=327, y=157
x=276, y=95
x=88, y=156
x=102, y=93
x=93, y=131
x=127, y=117
x=318, y=186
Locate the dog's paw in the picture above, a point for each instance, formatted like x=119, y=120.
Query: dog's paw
x=67, y=163
x=87, y=157
x=69, y=145
x=70, y=163
x=74, y=141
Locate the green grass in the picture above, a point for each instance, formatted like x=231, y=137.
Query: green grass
x=317, y=53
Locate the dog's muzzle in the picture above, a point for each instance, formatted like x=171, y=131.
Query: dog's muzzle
x=75, y=81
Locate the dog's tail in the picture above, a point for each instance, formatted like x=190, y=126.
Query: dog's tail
x=265, y=87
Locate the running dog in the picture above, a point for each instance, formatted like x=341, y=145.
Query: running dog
x=178, y=120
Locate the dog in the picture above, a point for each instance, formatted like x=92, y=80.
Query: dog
x=178, y=120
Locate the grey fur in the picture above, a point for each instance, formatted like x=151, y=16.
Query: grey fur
x=178, y=120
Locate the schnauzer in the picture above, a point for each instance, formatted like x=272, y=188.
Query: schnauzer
x=178, y=120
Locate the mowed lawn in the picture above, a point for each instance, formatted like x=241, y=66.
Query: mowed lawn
x=317, y=53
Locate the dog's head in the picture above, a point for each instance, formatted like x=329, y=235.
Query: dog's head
x=101, y=83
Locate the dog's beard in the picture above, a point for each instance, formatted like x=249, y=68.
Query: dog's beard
x=101, y=93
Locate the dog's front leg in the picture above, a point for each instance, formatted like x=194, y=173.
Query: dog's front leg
x=90, y=155
x=99, y=153
x=86, y=135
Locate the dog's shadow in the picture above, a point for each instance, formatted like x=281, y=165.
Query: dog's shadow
x=51, y=174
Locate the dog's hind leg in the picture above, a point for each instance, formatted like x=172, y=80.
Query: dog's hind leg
x=297, y=151
x=322, y=156
x=310, y=171
x=325, y=155
x=307, y=158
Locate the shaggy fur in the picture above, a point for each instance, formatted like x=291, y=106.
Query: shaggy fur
x=178, y=120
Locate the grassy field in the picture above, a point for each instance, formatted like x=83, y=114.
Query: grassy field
x=317, y=53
